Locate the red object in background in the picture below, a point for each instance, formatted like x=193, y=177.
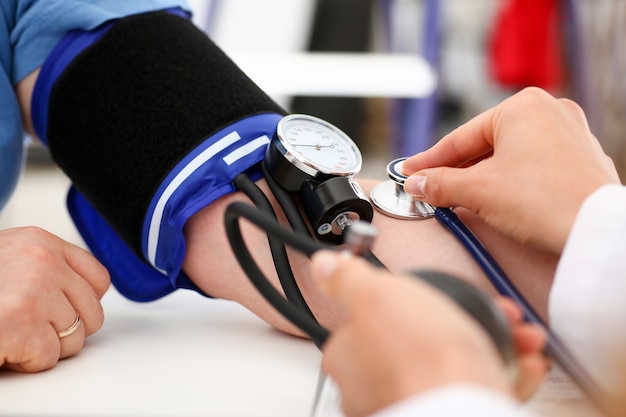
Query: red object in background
x=526, y=45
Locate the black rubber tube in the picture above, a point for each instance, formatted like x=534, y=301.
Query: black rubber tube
x=266, y=222
x=277, y=248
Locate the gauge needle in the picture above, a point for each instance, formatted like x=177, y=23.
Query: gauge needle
x=318, y=147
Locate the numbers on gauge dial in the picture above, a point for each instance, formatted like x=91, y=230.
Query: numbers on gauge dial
x=321, y=146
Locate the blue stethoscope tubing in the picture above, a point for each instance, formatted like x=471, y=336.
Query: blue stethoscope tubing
x=554, y=346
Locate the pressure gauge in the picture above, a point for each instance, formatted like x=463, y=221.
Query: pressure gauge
x=316, y=160
x=309, y=148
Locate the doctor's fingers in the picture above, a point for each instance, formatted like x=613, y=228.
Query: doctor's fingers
x=476, y=139
x=530, y=111
x=578, y=115
x=353, y=365
x=464, y=146
x=576, y=112
x=350, y=281
x=532, y=371
x=381, y=300
x=467, y=187
x=529, y=341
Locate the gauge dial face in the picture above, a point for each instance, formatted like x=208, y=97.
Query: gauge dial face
x=319, y=145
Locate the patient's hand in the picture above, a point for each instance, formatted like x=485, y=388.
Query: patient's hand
x=44, y=283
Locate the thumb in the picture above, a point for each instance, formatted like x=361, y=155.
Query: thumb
x=344, y=278
x=442, y=187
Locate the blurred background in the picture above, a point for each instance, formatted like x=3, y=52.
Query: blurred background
x=406, y=71
x=481, y=51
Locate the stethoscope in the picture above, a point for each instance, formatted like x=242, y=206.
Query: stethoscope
x=313, y=161
x=390, y=198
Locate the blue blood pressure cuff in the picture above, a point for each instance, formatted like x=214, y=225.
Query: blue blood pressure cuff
x=151, y=122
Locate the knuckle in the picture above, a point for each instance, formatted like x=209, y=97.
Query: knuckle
x=530, y=98
x=93, y=321
x=573, y=108
x=102, y=281
x=33, y=246
x=34, y=234
x=38, y=254
x=73, y=346
x=95, y=273
x=20, y=309
x=40, y=362
x=534, y=93
x=37, y=354
x=570, y=104
x=432, y=187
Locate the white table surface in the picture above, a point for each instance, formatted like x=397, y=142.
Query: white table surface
x=184, y=355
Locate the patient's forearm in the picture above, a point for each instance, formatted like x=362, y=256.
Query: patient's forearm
x=401, y=245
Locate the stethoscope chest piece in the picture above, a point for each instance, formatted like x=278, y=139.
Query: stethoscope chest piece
x=390, y=198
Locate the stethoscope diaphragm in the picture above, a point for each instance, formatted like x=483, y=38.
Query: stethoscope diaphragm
x=390, y=198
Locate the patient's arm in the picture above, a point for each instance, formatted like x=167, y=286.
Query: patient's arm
x=401, y=245
x=24, y=91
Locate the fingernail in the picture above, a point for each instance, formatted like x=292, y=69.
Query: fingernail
x=325, y=262
x=415, y=185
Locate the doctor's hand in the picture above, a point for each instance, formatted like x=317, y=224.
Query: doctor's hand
x=401, y=337
x=524, y=166
x=46, y=283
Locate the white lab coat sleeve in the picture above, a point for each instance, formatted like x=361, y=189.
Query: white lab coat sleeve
x=457, y=400
x=587, y=305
